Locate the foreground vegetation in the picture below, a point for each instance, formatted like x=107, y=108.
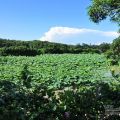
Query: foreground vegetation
x=57, y=87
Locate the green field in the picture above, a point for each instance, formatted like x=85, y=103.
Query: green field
x=53, y=87
x=61, y=69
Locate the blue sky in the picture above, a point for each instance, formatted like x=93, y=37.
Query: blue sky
x=63, y=21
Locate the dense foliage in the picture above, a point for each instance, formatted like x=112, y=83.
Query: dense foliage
x=116, y=47
x=57, y=87
x=101, y=9
x=66, y=67
x=33, y=48
x=114, y=52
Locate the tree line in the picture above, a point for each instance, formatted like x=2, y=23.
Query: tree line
x=36, y=47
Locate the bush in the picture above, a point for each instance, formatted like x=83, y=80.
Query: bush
x=109, y=54
x=21, y=50
x=18, y=102
x=116, y=47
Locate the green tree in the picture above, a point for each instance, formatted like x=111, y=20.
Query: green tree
x=116, y=47
x=101, y=9
x=104, y=47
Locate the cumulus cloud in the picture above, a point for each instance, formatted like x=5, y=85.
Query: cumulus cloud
x=76, y=35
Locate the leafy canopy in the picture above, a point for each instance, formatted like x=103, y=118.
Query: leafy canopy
x=101, y=9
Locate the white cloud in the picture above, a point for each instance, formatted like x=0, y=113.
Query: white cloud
x=67, y=34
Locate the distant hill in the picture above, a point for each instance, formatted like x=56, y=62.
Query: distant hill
x=37, y=47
